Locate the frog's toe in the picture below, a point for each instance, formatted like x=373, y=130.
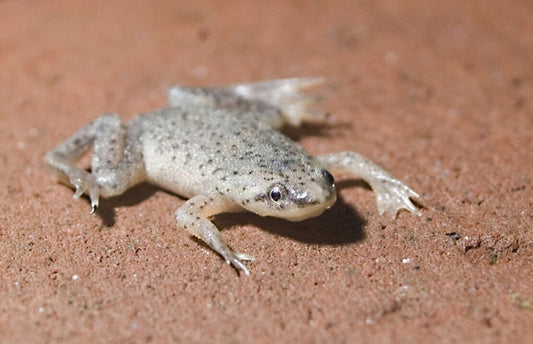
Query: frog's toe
x=237, y=264
x=94, y=205
x=243, y=256
x=79, y=191
x=236, y=259
x=84, y=183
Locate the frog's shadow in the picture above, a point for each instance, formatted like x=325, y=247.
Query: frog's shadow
x=296, y=133
x=133, y=196
x=341, y=224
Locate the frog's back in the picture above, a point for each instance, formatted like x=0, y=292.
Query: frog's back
x=192, y=151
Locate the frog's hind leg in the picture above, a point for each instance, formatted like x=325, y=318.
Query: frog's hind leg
x=287, y=95
x=112, y=168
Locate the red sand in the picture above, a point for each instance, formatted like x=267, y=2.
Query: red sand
x=440, y=93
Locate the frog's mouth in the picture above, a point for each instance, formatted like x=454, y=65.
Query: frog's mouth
x=308, y=210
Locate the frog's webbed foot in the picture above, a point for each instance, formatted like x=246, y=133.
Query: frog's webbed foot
x=85, y=183
x=392, y=195
x=194, y=217
x=288, y=96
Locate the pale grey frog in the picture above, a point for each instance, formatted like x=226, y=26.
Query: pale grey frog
x=220, y=148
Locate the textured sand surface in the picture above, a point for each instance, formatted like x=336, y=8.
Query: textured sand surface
x=438, y=92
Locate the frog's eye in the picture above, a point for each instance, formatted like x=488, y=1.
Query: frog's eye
x=277, y=192
x=328, y=177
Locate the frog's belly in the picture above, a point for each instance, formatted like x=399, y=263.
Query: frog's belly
x=172, y=172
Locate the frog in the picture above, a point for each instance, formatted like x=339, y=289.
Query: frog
x=222, y=150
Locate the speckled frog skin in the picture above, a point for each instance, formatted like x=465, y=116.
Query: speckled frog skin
x=220, y=148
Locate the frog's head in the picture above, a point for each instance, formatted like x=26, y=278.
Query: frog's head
x=292, y=198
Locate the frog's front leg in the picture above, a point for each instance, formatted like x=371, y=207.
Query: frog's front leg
x=116, y=159
x=194, y=217
x=392, y=195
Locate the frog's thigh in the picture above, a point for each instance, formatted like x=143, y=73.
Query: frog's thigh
x=193, y=216
x=117, y=162
x=63, y=158
x=392, y=195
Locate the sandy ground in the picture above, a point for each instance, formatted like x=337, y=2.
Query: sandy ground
x=439, y=92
